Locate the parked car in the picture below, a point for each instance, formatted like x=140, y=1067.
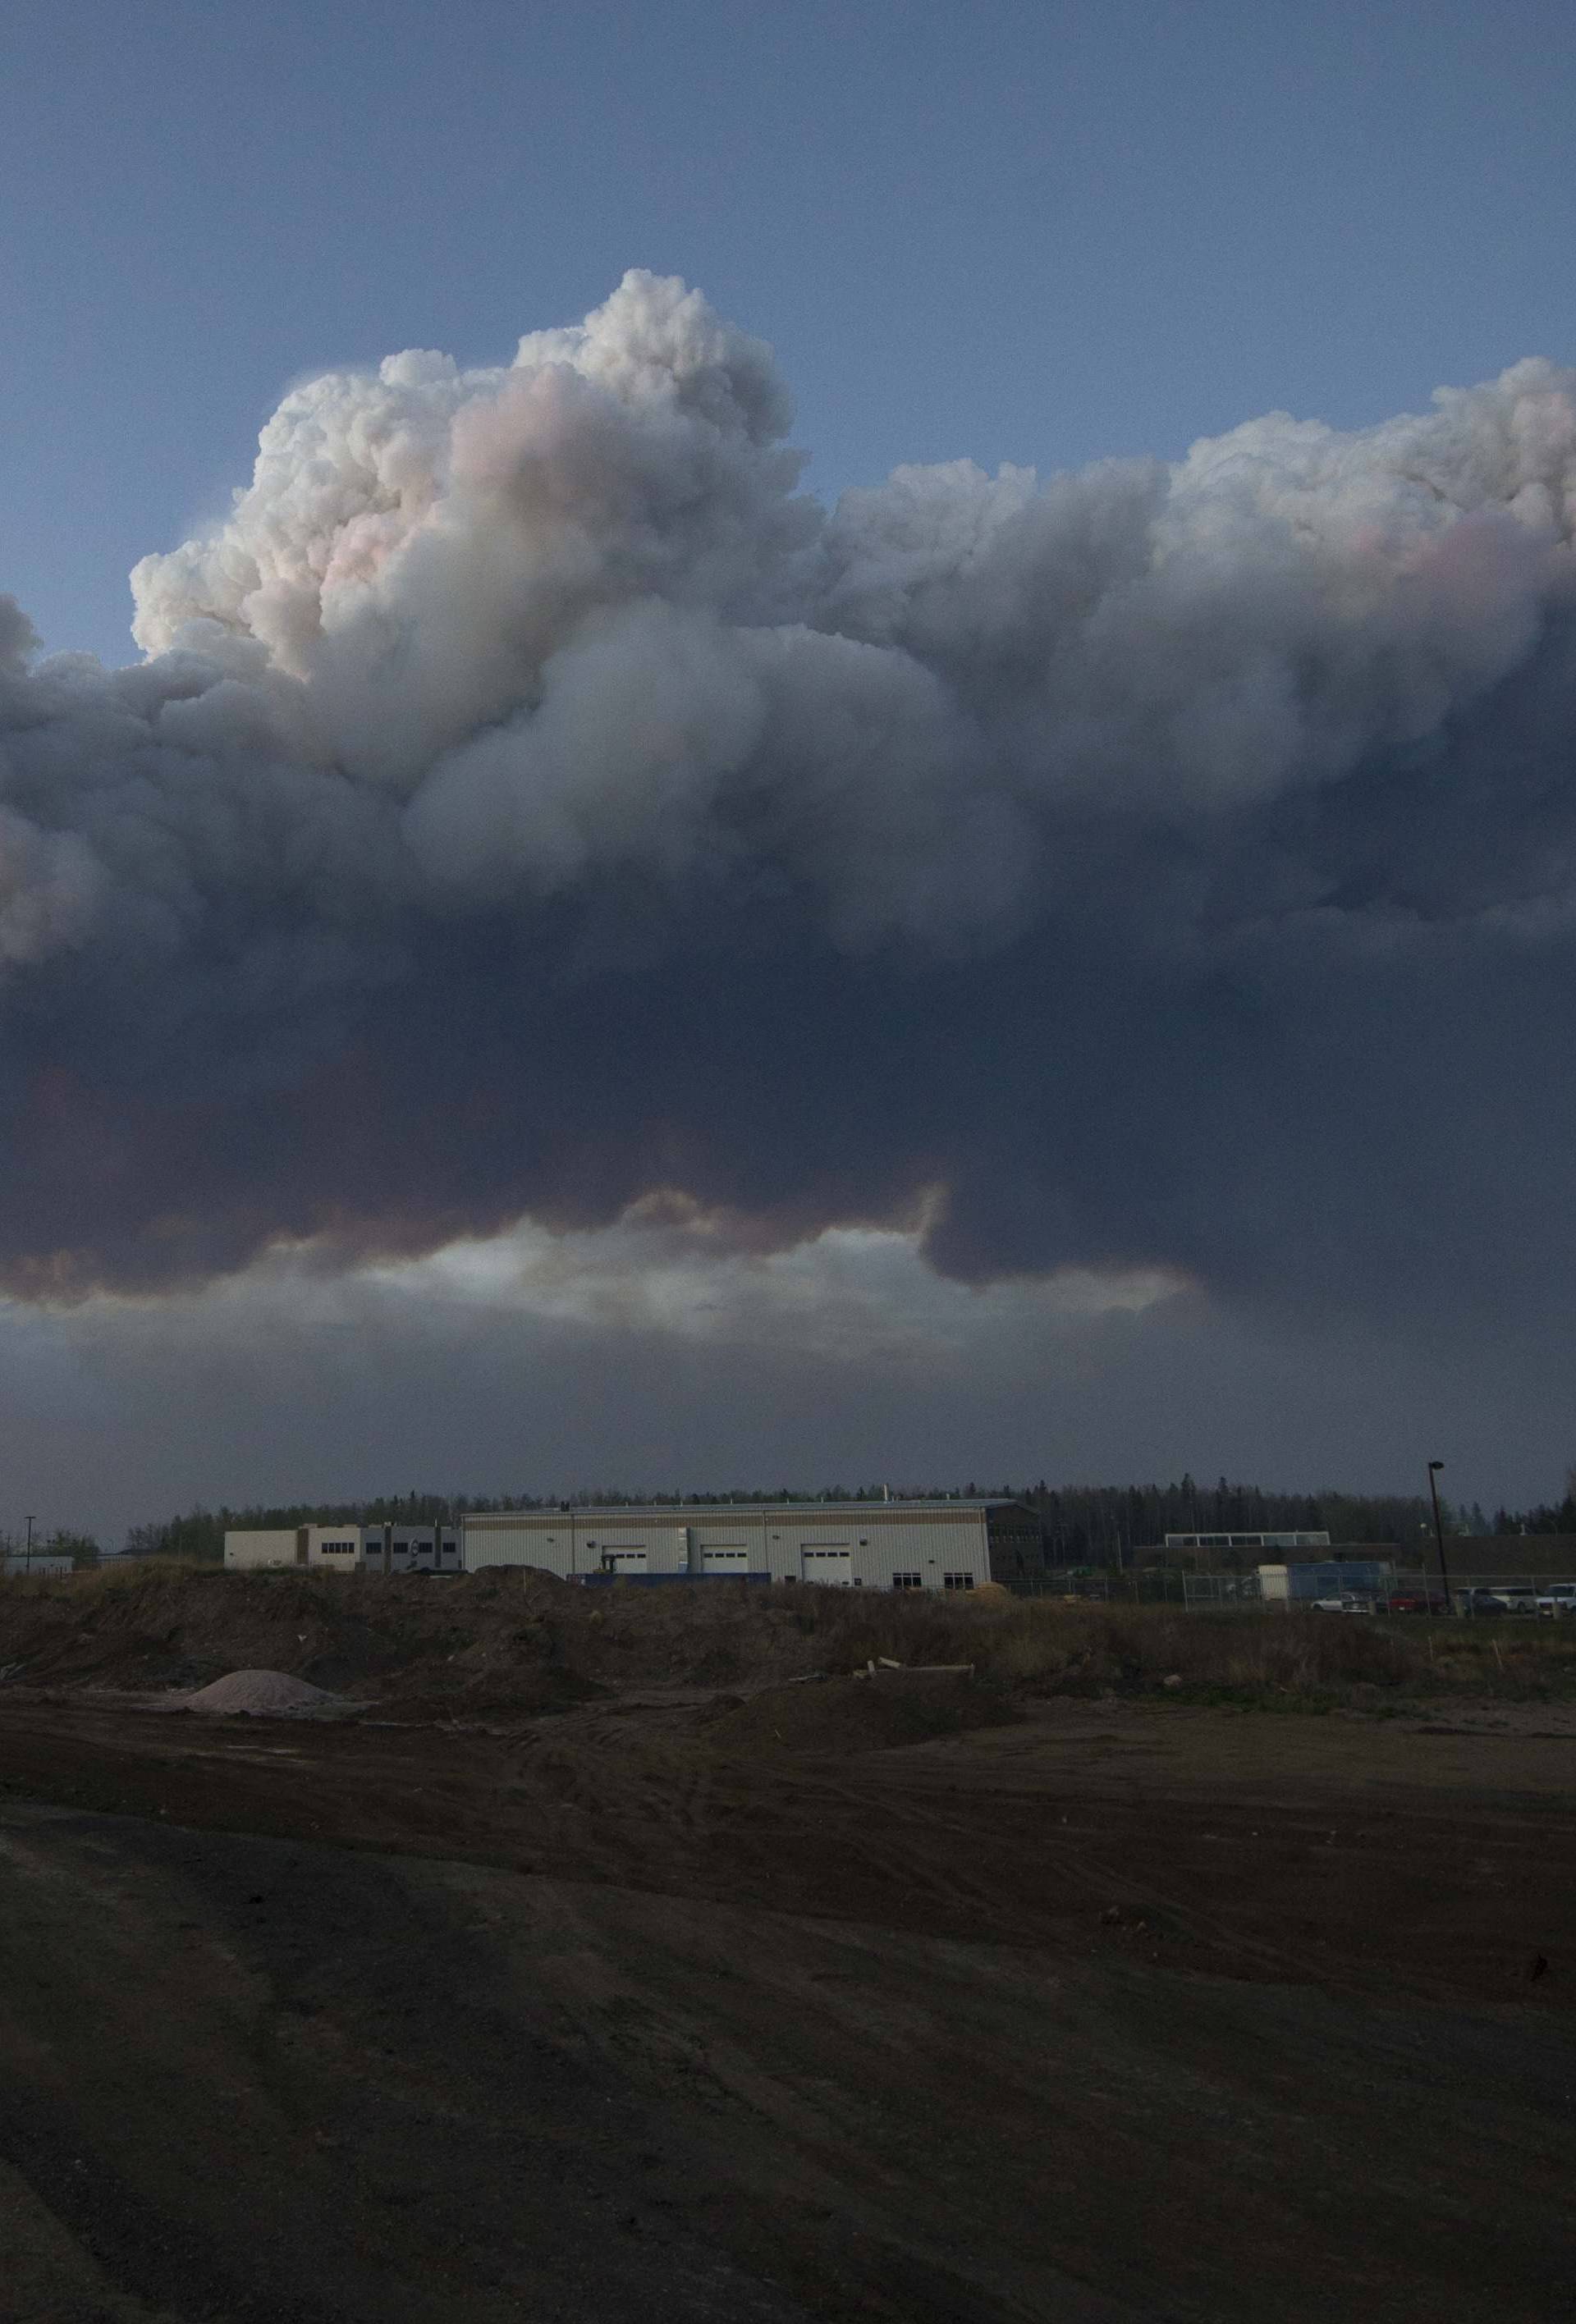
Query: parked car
x=1415, y=1602
x=1479, y=1602
x=1496, y=1602
x=1557, y=1599
x=1346, y=1603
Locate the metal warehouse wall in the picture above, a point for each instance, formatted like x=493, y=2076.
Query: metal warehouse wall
x=559, y=1546
x=868, y=1546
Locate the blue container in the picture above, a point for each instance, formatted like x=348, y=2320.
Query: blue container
x=1352, y=1576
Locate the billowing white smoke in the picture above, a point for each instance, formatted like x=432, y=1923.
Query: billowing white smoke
x=475, y=647
x=572, y=613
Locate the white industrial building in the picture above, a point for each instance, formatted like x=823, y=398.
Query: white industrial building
x=941, y=1544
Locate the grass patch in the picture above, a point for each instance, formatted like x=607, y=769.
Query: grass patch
x=1275, y=1658
x=1209, y=1695
x=133, y=1574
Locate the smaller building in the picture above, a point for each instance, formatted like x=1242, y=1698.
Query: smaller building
x=1247, y=1541
x=42, y=1563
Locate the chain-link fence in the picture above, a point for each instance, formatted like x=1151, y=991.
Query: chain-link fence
x=1365, y=1590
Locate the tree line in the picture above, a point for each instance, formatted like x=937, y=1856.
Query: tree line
x=1548, y=1517
x=81, y=1548
x=1085, y=1524
x=1109, y=1525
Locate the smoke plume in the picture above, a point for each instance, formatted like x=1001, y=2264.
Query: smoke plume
x=529, y=799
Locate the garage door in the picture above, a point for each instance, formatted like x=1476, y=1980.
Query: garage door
x=831, y=1566
x=725, y=1561
x=623, y=1561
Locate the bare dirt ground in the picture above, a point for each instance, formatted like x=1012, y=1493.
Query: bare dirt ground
x=679, y=2004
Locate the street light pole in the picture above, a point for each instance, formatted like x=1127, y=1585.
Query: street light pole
x=1433, y=1469
x=29, y=1564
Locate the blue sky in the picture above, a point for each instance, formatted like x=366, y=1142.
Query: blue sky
x=1038, y=234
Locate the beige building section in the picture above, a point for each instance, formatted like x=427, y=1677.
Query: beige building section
x=334, y=1547
x=247, y=1549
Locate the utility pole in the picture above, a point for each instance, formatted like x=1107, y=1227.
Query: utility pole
x=1433, y=1469
x=29, y=1561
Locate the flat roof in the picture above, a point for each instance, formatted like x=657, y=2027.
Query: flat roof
x=736, y=1512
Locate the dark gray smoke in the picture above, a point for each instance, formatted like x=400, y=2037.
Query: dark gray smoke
x=529, y=800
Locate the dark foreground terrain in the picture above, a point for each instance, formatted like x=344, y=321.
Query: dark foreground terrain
x=692, y=2001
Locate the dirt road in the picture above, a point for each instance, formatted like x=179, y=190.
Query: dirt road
x=1119, y=2012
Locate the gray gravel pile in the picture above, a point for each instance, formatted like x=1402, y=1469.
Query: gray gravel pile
x=267, y=1694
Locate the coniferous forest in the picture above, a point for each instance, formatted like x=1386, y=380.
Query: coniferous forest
x=1085, y=1524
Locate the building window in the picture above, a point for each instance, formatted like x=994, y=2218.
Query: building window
x=957, y=1581
x=908, y=1582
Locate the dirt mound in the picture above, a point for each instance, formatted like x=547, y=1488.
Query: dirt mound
x=482, y=1641
x=267, y=1694
x=506, y=1645
x=845, y=1715
x=498, y=1643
